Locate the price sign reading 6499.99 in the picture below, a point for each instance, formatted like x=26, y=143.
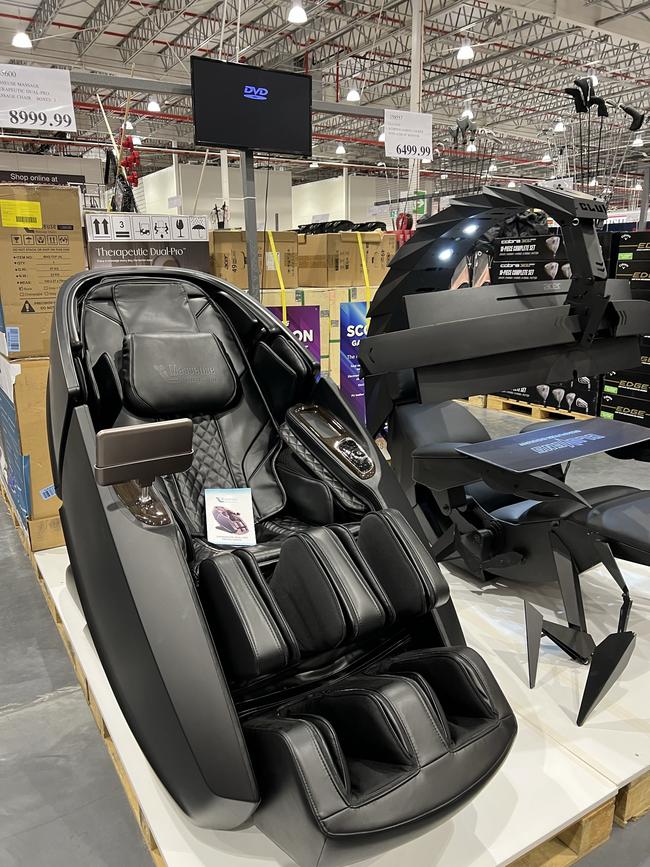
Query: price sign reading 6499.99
x=35, y=98
x=413, y=151
x=408, y=134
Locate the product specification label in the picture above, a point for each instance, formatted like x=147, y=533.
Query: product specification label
x=407, y=134
x=32, y=97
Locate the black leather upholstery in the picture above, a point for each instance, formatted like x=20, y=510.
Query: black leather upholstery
x=180, y=356
x=388, y=743
x=324, y=633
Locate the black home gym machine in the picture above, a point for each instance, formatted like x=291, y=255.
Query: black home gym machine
x=504, y=507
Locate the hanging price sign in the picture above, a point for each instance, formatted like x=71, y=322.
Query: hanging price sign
x=32, y=97
x=408, y=134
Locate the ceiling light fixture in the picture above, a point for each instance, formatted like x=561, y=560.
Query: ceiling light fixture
x=153, y=105
x=465, y=52
x=593, y=182
x=471, y=148
x=638, y=186
x=128, y=125
x=559, y=127
x=353, y=95
x=638, y=142
x=425, y=161
x=443, y=177
x=314, y=165
x=340, y=148
x=511, y=184
x=468, y=113
x=136, y=140
x=546, y=158
x=382, y=135
x=492, y=167
x=20, y=39
x=297, y=14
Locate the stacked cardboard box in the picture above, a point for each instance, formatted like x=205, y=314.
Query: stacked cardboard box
x=228, y=256
x=41, y=245
x=626, y=393
x=334, y=260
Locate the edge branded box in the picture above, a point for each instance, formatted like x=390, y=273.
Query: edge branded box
x=624, y=408
x=26, y=471
x=228, y=258
x=333, y=260
x=41, y=245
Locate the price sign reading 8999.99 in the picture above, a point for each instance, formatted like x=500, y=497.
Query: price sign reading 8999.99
x=408, y=134
x=35, y=98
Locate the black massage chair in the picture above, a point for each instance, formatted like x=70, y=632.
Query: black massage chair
x=317, y=682
x=427, y=343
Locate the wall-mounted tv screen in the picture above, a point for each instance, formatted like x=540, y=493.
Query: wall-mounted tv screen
x=245, y=107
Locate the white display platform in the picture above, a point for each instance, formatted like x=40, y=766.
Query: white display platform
x=542, y=787
x=615, y=738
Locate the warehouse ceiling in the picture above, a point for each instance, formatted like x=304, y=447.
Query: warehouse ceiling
x=525, y=54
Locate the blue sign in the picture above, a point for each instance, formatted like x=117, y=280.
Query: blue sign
x=252, y=92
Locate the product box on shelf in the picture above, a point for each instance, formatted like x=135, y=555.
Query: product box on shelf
x=228, y=255
x=544, y=248
x=521, y=272
x=579, y=396
x=41, y=245
x=26, y=472
x=625, y=408
x=629, y=383
x=334, y=259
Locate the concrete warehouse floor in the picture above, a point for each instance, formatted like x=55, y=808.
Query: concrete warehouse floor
x=61, y=804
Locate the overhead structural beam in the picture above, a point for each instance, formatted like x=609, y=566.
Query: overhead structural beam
x=151, y=26
x=98, y=81
x=98, y=20
x=626, y=25
x=44, y=15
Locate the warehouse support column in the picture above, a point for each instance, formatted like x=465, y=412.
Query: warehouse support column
x=250, y=222
x=225, y=184
x=417, y=31
x=346, y=194
x=643, y=202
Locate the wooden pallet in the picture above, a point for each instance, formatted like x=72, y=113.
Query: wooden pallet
x=129, y=791
x=535, y=411
x=633, y=801
x=574, y=842
x=475, y=400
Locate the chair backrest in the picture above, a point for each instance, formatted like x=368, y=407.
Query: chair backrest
x=158, y=349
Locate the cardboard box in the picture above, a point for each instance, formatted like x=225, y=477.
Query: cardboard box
x=623, y=408
x=26, y=471
x=585, y=399
x=334, y=260
x=41, y=245
x=629, y=383
x=228, y=257
x=521, y=272
x=45, y=533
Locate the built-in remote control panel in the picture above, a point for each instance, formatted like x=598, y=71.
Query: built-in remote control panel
x=326, y=428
